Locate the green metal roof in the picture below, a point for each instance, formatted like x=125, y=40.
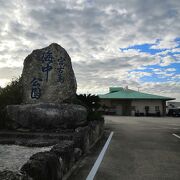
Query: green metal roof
x=121, y=93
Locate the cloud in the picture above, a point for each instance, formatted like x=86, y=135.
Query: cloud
x=171, y=69
x=169, y=89
x=167, y=61
x=137, y=75
x=9, y=72
x=93, y=33
x=165, y=44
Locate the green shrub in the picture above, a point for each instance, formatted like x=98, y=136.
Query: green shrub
x=11, y=94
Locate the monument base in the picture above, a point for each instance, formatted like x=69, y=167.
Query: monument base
x=47, y=115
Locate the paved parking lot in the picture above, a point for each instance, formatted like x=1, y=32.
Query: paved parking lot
x=142, y=148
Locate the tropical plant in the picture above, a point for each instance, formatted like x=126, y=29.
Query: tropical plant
x=92, y=103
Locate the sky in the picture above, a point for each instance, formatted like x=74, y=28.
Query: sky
x=134, y=43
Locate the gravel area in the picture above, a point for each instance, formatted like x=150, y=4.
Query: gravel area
x=12, y=157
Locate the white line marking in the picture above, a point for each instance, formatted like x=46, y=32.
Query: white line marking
x=99, y=159
x=176, y=135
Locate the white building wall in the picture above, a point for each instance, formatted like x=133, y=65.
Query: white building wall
x=140, y=105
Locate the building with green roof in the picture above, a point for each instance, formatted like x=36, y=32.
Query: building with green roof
x=124, y=101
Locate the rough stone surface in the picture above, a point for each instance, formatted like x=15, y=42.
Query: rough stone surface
x=48, y=76
x=65, y=150
x=77, y=154
x=97, y=129
x=43, y=166
x=81, y=138
x=57, y=162
x=47, y=115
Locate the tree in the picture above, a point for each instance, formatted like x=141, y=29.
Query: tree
x=11, y=94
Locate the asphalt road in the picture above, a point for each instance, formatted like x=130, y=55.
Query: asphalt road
x=141, y=149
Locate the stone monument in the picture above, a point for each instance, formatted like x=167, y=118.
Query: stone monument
x=48, y=82
x=48, y=76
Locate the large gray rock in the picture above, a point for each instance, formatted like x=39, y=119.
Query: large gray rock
x=47, y=115
x=65, y=150
x=48, y=82
x=48, y=76
x=43, y=166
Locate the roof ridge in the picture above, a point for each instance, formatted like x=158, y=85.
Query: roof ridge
x=132, y=94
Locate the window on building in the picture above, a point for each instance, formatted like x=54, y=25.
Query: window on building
x=156, y=108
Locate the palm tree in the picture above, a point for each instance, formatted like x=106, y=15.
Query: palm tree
x=92, y=103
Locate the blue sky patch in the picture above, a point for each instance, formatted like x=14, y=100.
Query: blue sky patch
x=158, y=73
x=147, y=48
x=144, y=48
